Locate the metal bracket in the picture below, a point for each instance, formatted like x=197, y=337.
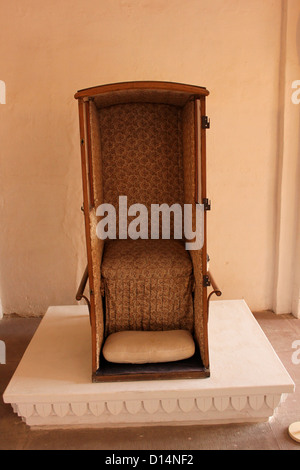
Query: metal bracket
x=207, y=204
x=206, y=280
x=205, y=122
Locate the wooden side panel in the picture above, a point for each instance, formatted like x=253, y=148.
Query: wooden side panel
x=202, y=153
x=86, y=205
x=97, y=245
x=191, y=164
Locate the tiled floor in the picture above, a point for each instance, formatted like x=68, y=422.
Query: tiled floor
x=281, y=330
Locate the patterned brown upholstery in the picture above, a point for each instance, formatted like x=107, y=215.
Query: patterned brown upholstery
x=141, y=154
x=148, y=285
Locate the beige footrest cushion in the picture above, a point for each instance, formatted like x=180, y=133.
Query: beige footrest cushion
x=141, y=347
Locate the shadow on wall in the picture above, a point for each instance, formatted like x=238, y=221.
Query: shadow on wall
x=42, y=247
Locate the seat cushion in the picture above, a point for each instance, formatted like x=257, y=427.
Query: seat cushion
x=147, y=285
x=141, y=347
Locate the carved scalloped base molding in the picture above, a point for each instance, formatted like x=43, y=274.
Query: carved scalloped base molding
x=183, y=410
x=52, y=385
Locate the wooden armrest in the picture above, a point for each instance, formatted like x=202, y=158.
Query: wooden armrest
x=82, y=284
x=216, y=290
x=80, y=292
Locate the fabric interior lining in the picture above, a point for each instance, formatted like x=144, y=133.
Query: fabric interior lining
x=147, y=152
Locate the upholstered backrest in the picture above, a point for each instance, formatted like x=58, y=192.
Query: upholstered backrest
x=141, y=151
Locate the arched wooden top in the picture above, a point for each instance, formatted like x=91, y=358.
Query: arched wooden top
x=153, y=91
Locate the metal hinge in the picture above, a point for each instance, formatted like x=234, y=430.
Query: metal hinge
x=205, y=122
x=207, y=204
x=206, y=281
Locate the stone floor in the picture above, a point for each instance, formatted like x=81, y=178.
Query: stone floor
x=281, y=330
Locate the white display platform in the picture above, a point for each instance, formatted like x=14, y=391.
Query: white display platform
x=52, y=384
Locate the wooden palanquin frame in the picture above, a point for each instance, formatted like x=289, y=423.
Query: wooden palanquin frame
x=164, y=92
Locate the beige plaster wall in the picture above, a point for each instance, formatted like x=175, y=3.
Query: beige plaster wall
x=50, y=49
